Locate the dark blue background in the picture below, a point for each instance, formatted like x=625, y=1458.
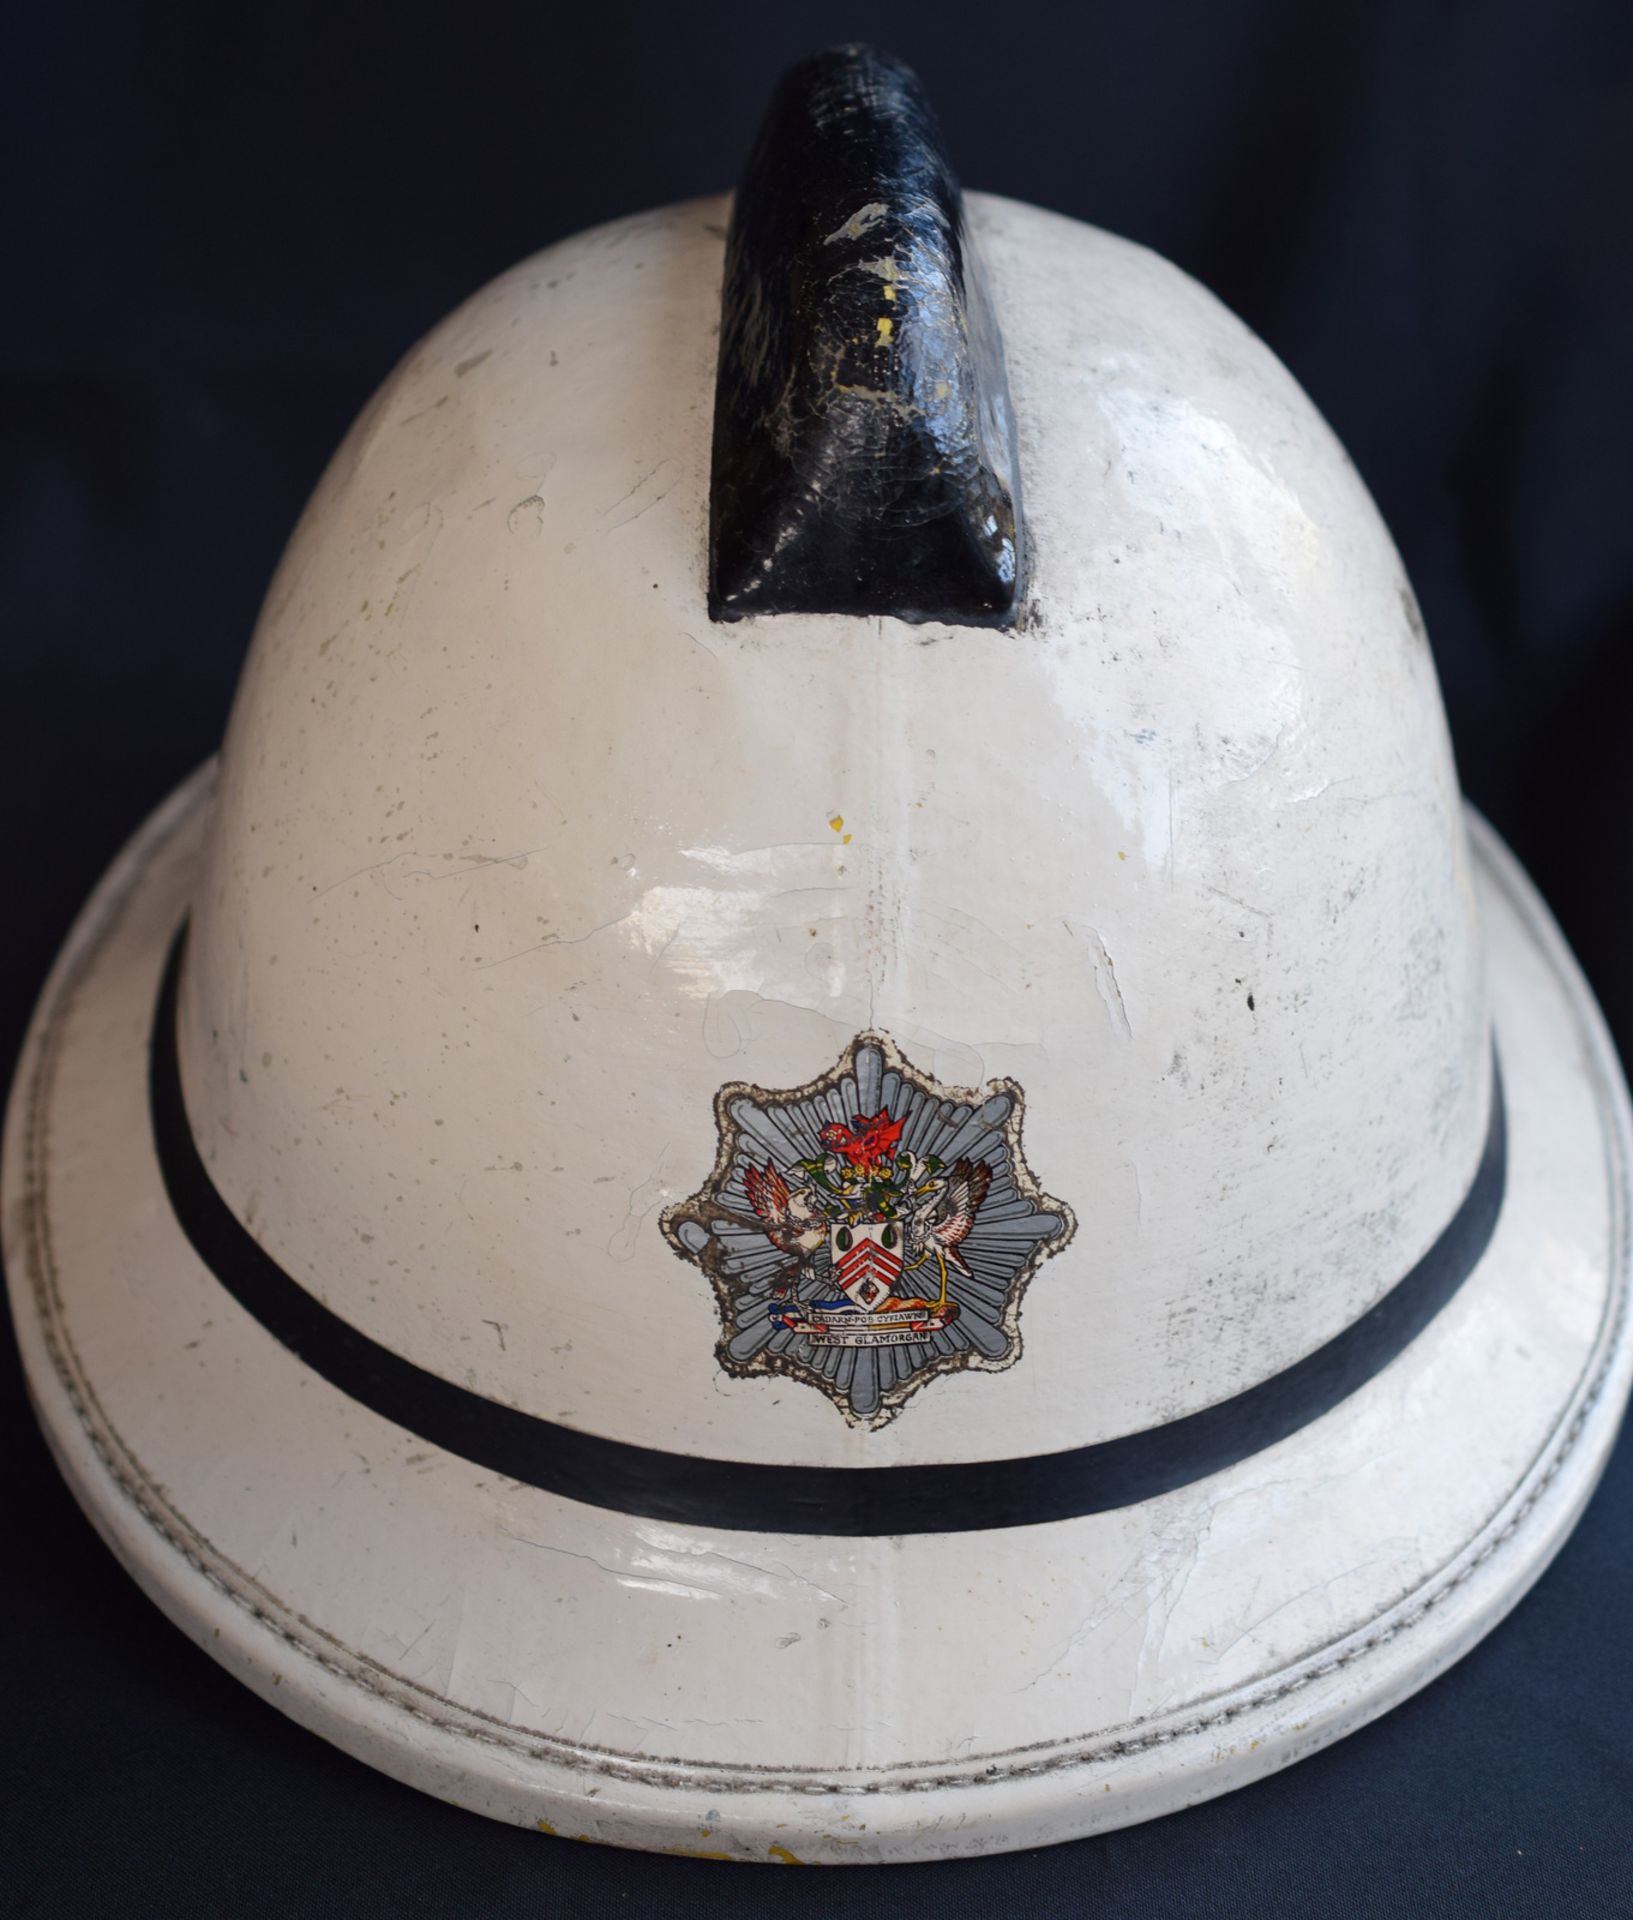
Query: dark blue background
x=221, y=227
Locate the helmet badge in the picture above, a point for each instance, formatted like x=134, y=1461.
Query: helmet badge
x=869, y=1230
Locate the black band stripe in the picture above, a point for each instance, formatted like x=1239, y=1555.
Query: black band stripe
x=760, y=1497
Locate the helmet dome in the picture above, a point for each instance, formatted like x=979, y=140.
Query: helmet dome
x=517, y=858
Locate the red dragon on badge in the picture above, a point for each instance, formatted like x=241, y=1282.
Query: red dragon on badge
x=873, y=1141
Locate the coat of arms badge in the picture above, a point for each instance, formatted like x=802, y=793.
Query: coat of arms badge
x=870, y=1229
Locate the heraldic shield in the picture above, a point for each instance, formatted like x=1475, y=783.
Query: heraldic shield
x=869, y=1230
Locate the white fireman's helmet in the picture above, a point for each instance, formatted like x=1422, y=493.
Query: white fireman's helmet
x=829, y=1140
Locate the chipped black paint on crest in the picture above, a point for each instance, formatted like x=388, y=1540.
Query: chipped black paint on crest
x=864, y=445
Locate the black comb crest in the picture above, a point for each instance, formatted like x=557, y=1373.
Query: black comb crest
x=864, y=444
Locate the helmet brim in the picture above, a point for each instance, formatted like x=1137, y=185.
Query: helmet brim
x=797, y=1696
